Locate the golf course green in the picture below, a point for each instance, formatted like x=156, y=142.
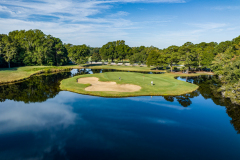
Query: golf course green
x=163, y=84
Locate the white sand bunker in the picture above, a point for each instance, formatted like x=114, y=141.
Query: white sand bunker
x=96, y=85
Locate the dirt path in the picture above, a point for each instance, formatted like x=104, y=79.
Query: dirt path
x=96, y=85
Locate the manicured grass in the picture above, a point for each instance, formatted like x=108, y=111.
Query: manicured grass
x=16, y=73
x=8, y=75
x=20, y=73
x=164, y=84
x=123, y=68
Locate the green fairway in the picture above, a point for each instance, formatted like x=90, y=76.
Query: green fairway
x=164, y=84
x=123, y=68
x=8, y=75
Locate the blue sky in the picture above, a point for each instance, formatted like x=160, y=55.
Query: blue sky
x=160, y=23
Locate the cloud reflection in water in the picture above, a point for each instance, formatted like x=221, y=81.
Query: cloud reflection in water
x=15, y=116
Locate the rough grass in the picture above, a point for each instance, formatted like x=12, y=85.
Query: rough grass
x=123, y=68
x=8, y=75
x=164, y=84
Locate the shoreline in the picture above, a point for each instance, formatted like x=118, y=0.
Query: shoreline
x=166, y=85
x=49, y=69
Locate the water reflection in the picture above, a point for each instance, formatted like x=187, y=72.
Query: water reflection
x=42, y=87
x=35, y=89
x=92, y=71
x=17, y=116
x=74, y=126
x=208, y=88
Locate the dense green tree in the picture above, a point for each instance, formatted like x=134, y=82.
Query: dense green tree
x=139, y=57
x=122, y=50
x=188, y=55
x=115, y=50
x=8, y=49
x=172, y=55
x=107, y=51
x=96, y=57
x=222, y=47
x=93, y=50
x=78, y=54
x=204, y=54
x=33, y=47
x=207, y=56
x=156, y=58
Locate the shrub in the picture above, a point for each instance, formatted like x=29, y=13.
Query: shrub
x=168, y=71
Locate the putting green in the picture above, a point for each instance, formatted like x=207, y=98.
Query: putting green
x=164, y=84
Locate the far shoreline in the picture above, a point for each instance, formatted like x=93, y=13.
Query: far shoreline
x=17, y=74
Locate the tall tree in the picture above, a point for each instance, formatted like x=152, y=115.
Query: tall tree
x=8, y=50
x=188, y=55
x=156, y=58
x=96, y=57
x=78, y=54
x=172, y=55
x=122, y=49
x=107, y=51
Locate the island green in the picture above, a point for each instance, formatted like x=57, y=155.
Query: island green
x=164, y=84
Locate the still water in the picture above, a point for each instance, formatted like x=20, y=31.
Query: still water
x=39, y=121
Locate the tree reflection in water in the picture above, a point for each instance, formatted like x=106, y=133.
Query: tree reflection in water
x=40, y=88
x=35, y=89
x=208, y=88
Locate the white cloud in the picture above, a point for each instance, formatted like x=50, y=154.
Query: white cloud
x=220, y=8
x=67, y=10
x=150, y=1
x=90, y=22
x=208, y=26
x=119, y=14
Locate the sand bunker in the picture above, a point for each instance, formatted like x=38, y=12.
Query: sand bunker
x=96, y=85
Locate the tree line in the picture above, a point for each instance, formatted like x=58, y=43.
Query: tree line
x=32, y=47
x=226, y=65
x=223, y=59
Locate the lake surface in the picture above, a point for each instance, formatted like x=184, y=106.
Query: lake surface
x=39, y=121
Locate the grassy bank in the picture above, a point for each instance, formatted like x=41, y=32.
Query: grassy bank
x=9, y=75
x=164, y=84
x=123, y=68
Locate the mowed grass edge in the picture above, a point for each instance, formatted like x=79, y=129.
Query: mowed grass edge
x=164, y=84
x=15, y=74
x=124, y=68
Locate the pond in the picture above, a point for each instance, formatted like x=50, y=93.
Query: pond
x=39, y=121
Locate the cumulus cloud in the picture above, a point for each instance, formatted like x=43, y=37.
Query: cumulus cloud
x=95, y=22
